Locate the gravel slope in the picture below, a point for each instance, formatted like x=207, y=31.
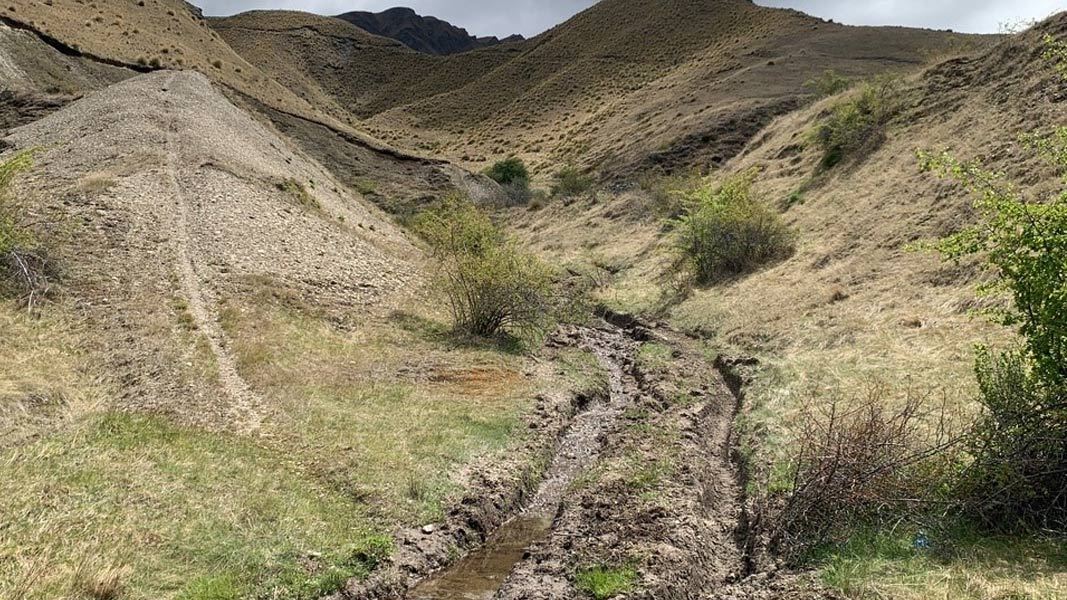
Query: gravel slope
x=174, y=198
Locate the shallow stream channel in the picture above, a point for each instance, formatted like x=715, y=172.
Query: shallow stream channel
x=482, y=573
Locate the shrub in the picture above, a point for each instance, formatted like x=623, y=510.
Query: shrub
x=298, y=192
x=861, y=463
x=24, y=267
x=509, y=171
x=830, y=83
x=667, y=193
x=858, y=123
x=490, y=285
x=1056, y=54
x=570, y=182
x=516, y=193
x=727, y=231
x=1019, y=474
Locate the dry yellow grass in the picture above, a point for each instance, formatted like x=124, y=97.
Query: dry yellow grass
x=45, y=380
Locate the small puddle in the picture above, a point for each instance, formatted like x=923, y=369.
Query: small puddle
x=481, y=574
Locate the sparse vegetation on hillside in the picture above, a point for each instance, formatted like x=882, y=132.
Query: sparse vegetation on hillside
x=858, y=122
x=570, y=182
x=830, y=83
x=727, y=230
x=1056, y=53
x=490, y=284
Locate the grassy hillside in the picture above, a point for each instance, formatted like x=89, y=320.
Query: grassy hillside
x=685, y=83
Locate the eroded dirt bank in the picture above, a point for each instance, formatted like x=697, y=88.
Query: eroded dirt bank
x=640, y=481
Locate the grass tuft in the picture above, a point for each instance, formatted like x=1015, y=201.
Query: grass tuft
x=602, y=582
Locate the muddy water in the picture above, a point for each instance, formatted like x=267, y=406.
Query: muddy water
x=481, y=574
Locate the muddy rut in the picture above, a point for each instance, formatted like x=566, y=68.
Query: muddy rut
x=641, y=480
x=481, y=574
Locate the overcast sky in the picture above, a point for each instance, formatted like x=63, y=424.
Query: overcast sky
x=529, y=17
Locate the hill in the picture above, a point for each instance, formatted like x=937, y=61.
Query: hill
x=171, y=34
x=687, y=82
x=423, y=34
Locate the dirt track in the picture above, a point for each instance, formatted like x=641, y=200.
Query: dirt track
x=681, y=529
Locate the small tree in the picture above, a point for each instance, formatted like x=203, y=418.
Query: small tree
x=727, y=231
x=1020, y=443
x=491, y=286
x=509, y=171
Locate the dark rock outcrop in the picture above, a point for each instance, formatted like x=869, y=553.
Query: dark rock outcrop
x=423, y=34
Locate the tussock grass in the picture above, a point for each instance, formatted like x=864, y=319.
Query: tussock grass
x=602, y=583
x=43, y=380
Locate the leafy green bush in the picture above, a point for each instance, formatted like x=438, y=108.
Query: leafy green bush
x=1019, y=474
x=1056, y=53
x=509, y=171
x=830, y=83
x=491, y=286
x=12, y=234
x=858, y=122
x=570, y=182
x=727, y=231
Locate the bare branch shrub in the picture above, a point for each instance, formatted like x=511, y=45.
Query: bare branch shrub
x=25, y=271
x=865, y=462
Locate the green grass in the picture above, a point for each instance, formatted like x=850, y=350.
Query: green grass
x=602, y=582
x=366, y=429
x=654, y=357
x=185, y=513
x=357, y=440
x=960, y=565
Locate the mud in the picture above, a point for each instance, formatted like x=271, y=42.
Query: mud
x=644, y=480
x=480, y=575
